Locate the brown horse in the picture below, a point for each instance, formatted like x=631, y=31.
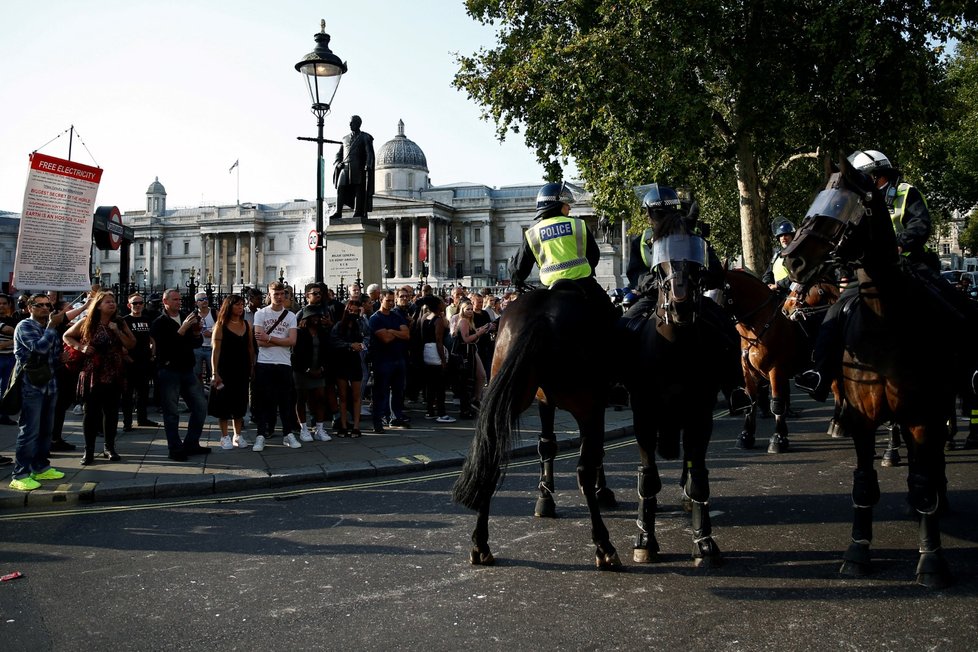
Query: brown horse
x=543, y=348
x=890, y=369
x=773, y=349
x=807, y=305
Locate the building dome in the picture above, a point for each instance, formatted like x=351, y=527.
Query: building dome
x=401, y=152
x=156, y=188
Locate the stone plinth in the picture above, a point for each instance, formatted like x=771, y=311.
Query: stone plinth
x=353, y=247
x=608, y=272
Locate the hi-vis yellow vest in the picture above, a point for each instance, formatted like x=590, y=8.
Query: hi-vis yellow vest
x=779, y=269
x=645, y=247
x=899, y=204
x=559, y=245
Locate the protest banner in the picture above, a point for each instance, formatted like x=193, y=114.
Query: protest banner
x=54, y=243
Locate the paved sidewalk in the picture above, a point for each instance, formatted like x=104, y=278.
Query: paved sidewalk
x=145, y=471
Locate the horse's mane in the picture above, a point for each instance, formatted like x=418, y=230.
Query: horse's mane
x=671, y=224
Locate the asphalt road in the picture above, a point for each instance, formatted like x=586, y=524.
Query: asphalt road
x=383, y=565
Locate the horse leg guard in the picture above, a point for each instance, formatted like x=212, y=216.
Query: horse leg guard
x=606, y=497
x=746, y=439
x=932, y=569
x=891, y=456
x=779, y=440
x=646, y=548
x=865, y=494
x=706, y=553
x=836, y=429
x=856, y=561
x=546, y=507
x=922, y=495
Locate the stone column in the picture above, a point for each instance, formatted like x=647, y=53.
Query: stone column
x=432, y=261
x=253, y=257
x=237, y=261
x=487, y=251
x=203, y=253
x=215, y=259
x=398, y=269
x=626, y=248
x=415, y=263
x=467, y=242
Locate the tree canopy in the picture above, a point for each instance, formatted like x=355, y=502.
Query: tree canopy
x=733, y=100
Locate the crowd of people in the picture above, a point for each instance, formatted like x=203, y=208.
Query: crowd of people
x=315, y=371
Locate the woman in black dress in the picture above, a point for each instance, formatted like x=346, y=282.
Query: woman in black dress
x=232, y=359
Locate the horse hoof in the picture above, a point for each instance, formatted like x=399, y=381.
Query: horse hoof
x=644, y=555
x=479, y=558
x=706, y=554
x=891, y=458
x=607, y=560
x=855, y=563
x=745, y=441
x=645, y=549
x=836, y=431
x=778, y=444
x=606, y=499
x=545, y=508
x=933, y=571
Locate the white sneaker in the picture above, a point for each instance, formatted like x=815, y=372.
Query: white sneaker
x=226, y=443
x=304, y=434
x=241, y=441
x=290, y=441
x=446, y=419
x=321, y=433
x=259, y=444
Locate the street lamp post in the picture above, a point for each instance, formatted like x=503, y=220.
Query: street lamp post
x=322, y=70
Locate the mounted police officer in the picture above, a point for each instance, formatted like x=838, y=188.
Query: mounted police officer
x=912, y=224
x=562, y=247
x=659, y=201
x=776, y=275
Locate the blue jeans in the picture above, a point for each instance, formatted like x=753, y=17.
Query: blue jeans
x=389, y=379
x=34, y=439
x=171, y=386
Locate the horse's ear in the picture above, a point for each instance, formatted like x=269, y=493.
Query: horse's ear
x=829, y=166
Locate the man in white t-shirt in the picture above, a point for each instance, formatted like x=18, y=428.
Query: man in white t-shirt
x=275, y=332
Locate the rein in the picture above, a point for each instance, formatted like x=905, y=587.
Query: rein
x=759, y=333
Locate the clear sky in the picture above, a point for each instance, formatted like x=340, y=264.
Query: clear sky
x=182, y=89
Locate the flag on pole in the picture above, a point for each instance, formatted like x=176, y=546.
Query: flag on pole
x=232, y=167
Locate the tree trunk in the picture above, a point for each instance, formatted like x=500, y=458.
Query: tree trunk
x=753, y=229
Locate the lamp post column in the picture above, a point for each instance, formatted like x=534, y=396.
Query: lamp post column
x=320, y=173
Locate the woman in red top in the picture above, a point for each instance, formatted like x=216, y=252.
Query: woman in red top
x=105, y=339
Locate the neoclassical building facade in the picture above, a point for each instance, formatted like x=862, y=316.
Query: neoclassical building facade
x=466, y=232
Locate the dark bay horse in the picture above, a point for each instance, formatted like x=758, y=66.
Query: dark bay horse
x=674, y=382
x=891, y=368
x=544, y=348
x=773, y=349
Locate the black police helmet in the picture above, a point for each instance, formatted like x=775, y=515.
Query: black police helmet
x=552, y=197
x=661, y=198
x=784, y=228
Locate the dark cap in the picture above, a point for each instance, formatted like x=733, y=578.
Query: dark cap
x=310, y=311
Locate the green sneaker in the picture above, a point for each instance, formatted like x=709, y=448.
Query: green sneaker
x=51, y=474
x=25, y=484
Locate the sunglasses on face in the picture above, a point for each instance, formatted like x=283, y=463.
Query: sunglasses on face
x=136, y=303
x=42, y=305
x=313, y=294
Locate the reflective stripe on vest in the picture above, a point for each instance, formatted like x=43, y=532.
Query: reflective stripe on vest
x=899, y=203
x=559, y=245
x=779, y=269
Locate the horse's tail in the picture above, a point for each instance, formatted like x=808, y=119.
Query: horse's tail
x=498, y=416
